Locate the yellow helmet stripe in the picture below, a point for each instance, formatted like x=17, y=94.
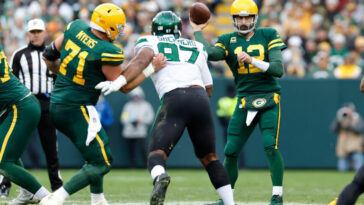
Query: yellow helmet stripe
x=275, y=45
x=274, y=41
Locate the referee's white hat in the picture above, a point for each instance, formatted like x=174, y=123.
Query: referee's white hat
x=36, y=24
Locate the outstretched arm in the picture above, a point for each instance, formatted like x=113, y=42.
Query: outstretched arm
x=159, y=62
x=135, y=72
x=214, y=53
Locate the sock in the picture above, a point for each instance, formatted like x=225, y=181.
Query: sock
x=217, y=173
x=96, y=186
x=97, y=197
x=20, y=176
x=61, y=193
x=41, y=193
x=231, y=166
x=277, y=190
x=226, y=194
x=90, y=174
x=276, y=165
x=156, y=171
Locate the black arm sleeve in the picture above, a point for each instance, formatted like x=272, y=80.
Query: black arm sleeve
x=214, y=53
x=51, y=53
x=276, y=67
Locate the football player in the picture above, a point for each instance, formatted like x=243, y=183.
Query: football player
x=19, y=116
x=183, y=87
x=87, y=57
x=255, y=59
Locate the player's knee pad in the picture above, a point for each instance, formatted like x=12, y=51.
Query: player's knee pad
x=269, y=150
x=156, y=159
x=217, y=174
x=94, y=172
x=231, y=151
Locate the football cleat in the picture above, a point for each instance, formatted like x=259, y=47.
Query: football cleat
x=99, y=201
x=220, y=202
x=276, y=200
x=24, y=197
x=160, y=188
x=333, y=202
x=51, y=199
x=4, y=191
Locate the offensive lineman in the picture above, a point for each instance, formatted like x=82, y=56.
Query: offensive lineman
x=19, y=116
x=255, y=59
x=87, y=57
x=183, y=87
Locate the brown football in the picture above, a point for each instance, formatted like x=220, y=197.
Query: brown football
x=199, y=13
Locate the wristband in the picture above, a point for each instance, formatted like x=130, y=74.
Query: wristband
x=121, y=81
x=262, y=65
x=149, y=70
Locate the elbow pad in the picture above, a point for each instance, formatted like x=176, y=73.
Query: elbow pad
x=51, y=53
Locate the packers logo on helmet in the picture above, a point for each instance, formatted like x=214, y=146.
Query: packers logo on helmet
x=167, y=22
x=108, y=18
x=244, y=8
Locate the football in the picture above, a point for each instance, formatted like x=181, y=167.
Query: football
x=199, y=13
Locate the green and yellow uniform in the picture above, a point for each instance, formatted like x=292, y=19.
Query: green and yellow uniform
x=82, y=57
x=19, y=116
x=265, y=45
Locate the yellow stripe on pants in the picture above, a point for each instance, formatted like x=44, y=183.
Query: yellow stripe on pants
x=97, y=138
x=7, y=136
x=279, y=123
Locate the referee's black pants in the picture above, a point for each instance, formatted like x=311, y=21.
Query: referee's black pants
x=48, y=139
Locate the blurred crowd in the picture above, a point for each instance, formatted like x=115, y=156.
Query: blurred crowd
x=325, y=38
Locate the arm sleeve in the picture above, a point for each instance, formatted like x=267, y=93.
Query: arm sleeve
x=112, y=56
x=276, y=67
x=142, y=43
x=215, y=53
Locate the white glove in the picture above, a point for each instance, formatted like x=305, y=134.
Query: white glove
x=111, y=86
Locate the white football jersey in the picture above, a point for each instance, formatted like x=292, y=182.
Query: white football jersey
x=186, y=62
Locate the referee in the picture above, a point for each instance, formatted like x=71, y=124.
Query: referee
x=28, y=66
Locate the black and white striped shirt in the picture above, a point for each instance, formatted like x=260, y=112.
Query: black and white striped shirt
x=29, y=67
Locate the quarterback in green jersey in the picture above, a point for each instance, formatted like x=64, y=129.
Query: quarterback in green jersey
x=19, y=116
x=254, y=56
x=87, y=57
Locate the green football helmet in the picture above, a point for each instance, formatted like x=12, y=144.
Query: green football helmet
x=166, y=22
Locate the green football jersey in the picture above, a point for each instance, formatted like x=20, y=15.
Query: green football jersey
x=249, y=79
x=11, y=89
x=82, y=57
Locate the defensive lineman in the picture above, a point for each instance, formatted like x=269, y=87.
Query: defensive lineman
x=183, y=87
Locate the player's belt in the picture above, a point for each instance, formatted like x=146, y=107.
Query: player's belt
x=260, y=101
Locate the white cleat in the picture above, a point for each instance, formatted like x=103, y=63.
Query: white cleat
x=99, y=200
x=24, y=197
x=51, y=199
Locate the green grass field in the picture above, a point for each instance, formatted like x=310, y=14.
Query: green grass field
x=192, y=186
